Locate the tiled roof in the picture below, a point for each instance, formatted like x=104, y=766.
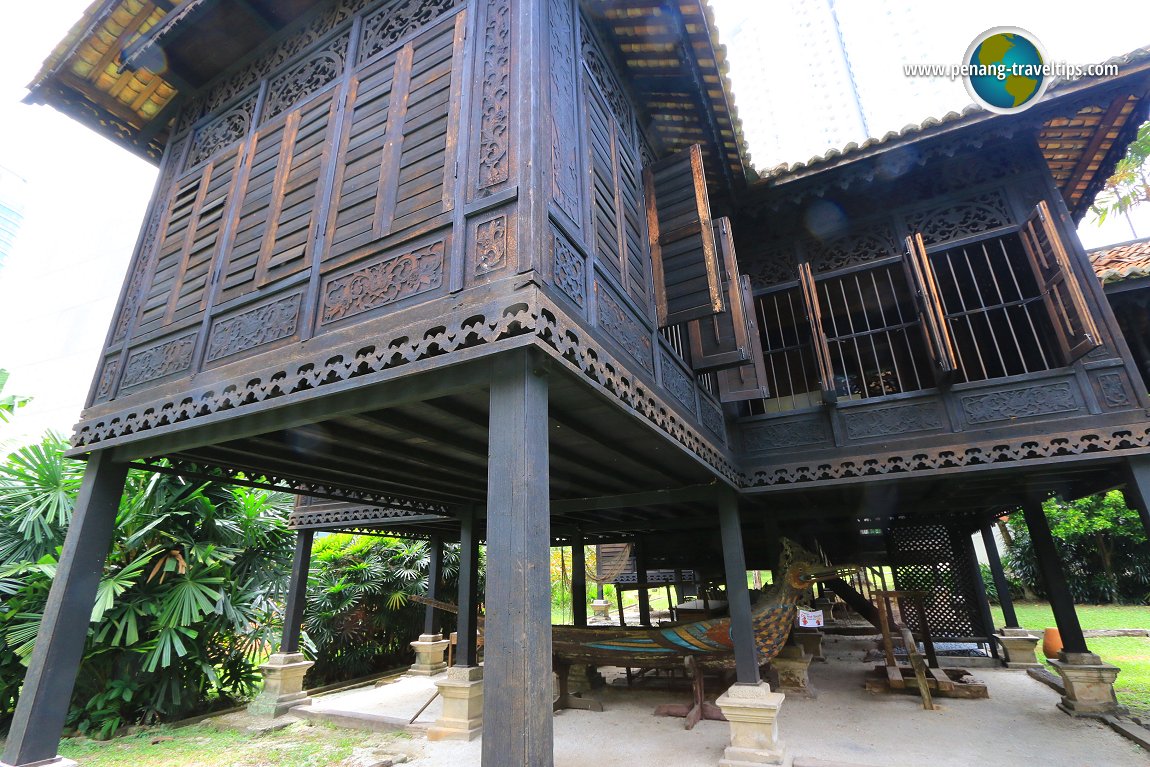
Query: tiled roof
x=1124, y=261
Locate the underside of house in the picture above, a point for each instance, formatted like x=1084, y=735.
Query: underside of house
x=500, y=271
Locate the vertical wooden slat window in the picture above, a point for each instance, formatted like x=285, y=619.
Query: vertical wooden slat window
x=1074, y=328
x=688, y=284
x=747, y=381
x=813, y=314
x=994, y=307
x=792, y=373
x=722, y=340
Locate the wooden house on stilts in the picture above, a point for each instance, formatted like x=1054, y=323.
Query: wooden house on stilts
x=499, y=271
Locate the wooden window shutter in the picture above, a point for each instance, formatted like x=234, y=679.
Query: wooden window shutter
x=686, y=271
x=818, y=338
x=1073, y=325
x=928, y=301
x=722, y=340
x=747, y=381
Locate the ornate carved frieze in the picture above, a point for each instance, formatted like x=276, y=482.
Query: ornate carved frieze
x=107, y=378
x=981, y=213
x=568, y=268
x=221, y=132
x=564, y=135
x=495, y=103
x=254, y=327
x=394, y=21
x=383, y=283
x=167, y=358
x=617, y=322
x=490, y=246
x=602, y=71
x=305, y=78
x=1114, y=391
x=871, y=243
x=772, y=266
x=889, y=421
x=776, y=435
x=1022, y=402
x=676, y=381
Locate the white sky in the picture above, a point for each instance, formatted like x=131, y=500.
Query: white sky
x=86, y=196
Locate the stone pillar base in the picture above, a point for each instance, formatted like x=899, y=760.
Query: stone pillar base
x=58, y=761
x=1089, y=684
x=601, y=608
x=793, y=665
x=462, y=716
x=582, y=677
x=1018, y=646
x=811, y=640
x=430, y=650
x=283, y=685
x=752, y=710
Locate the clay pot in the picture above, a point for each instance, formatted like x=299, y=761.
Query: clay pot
x=1051, y=643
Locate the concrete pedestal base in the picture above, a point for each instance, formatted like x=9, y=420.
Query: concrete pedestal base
x=601, y=608
x=811, y=640
x=58, y=761
x=283, y=685
x=583, y=678
x=827, y=605
x=462, y=717
x=793, y=665
x=430, y=654
x=1089, y=684
x=1018, y=646
x=752, y=710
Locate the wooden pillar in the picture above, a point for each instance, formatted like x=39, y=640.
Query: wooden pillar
x=578, y=581
x=467, y=625
x=964, y=538
x=1061, y=602
x=1137, y=490
x=738, y=598
x=1000, y=583
x=47, y=692
x=517, y=639
x=434, y=568
x=297, y=593
x=641, y=582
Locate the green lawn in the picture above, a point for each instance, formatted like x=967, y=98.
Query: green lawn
x=300, y=745
x=1131, y=654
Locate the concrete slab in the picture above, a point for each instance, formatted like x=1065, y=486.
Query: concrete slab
x=379, y=708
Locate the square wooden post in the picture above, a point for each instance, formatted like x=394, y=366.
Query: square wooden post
x=44, y=700
x=578, y=581
x=517, y=637
x=434, y=567
x=738, y=597
x=1137, y=490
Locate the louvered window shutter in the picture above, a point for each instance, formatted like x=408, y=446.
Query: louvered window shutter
x=686, y=270
x=928, y=302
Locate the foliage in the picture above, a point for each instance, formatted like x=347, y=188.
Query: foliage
x=188, y=602
x=1016, y=590
x=360, y=617
x=1101, y=544
x=1129, y=185
x=9, y=404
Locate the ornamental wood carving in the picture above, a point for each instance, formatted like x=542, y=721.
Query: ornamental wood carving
x=568, y=268
x=1022, y=402
x=981, y=213
x=761, y=437
x=625, y=330
x=888, y=421
x=1114, y=391
x=107, y=378
x=221, y=132
x=254, y=327
x=167, y=358
x=306, y=77
x=604, y=76
x=495, y=101
x=393, y=22
x=872, y=243
x=564, y=134
x=491, y=246
x=383, y=283
x=676, y=381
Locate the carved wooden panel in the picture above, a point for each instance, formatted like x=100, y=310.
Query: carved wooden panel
x=306, y=77
x=893, y=420
x=1021, y=402
x=394, y=174
x=868, y=243
x=493, y=159
x=158, y=360
x=1113, y=389
x=252, y=327
x=618, y=323
x=603, y=74
x=711, y=416
x=568, y=268
x=980, y=213
x=679, y=383
x=392, y=22
x=491, y=247
x=763, y=436
x=564, y=128
x=379, y=283
x=221, y=132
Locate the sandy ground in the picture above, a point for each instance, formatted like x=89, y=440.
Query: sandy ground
x=1018, y=726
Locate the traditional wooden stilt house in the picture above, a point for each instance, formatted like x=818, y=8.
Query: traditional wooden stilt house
x=470, y=268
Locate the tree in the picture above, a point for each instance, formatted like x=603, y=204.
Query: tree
x=1129, y=185
x=9, y=404
x=189, y=603
x=1102, y=546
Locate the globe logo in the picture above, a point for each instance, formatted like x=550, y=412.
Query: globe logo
x=1005, y=70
